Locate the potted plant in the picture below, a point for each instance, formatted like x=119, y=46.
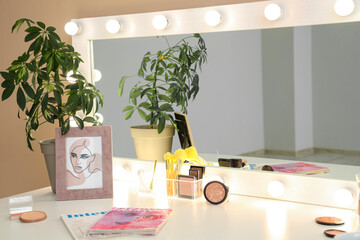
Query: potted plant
x=168, y=79
x=38, y=76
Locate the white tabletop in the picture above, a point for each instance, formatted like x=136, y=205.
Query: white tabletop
x=241, y=217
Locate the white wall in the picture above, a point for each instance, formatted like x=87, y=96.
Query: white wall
x=278, y=74
x=336, y=86
x=303, y=89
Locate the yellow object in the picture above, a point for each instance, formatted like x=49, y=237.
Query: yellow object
x=174, y=164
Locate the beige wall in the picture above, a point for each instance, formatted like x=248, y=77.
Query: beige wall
x=20, y=169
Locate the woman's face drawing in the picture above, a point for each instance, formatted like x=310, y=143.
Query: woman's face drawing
x=80, y=156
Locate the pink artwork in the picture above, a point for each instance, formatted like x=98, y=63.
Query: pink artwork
x=84, y=163
x=132, y=220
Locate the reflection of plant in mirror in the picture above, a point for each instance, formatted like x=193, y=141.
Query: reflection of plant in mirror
x=40, y=72
x=168, y=78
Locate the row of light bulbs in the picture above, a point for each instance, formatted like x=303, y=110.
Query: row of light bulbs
x=342, y=197
x=213, y=18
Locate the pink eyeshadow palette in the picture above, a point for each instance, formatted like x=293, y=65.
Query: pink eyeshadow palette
x=186, y=186
x=216, y=192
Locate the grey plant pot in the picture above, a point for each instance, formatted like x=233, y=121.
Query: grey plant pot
x=48, y=149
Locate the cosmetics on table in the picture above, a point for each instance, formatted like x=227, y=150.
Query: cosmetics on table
x=333, y=232
x=329, y=220
x=216, y=192
x=187, y=187
x=232, y=162
x=201, y=170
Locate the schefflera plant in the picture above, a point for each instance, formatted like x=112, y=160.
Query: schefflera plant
x=168, y=79
x=38, y=76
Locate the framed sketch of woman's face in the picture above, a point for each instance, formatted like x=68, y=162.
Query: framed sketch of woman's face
x=84, y=163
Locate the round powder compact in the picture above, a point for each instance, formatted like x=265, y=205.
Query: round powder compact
x=329, y=221
x=33, y=216
x=333, y=232
x=216, y=192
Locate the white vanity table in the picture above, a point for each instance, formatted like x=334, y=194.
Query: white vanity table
x=241, y=216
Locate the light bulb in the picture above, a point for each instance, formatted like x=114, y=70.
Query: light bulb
x=275, y=189
x=160, y=22
x=344, y=7
x=98, y=75
x=100, y=117
x=272, y=12
x=71, y=28
x=69, y=78
x=113, y=26
x=72, y=122
x=343, y=197
x=212, y=18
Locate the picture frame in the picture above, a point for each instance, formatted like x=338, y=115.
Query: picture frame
x=84, y=163
x=185, y=135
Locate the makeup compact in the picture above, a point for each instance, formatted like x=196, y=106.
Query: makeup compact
x=216, y=192
x=333, y=232
x=329, y=220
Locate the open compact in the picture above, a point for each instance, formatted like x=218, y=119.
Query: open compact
x=216, y=192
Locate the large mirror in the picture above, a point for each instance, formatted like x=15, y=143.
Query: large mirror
x=282, y=92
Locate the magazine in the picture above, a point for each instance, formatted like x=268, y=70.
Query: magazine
x=297, y=167
x=79, y=224
x=131, y=221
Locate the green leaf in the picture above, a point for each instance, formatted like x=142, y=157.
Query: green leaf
x=145, y=105
x=7, y=92
x=45, y=100
x=89, y=119
x=50, y=65
x=38, y=94
x=79, y=122
x=34, y=122
x=127, y=108
x=50, y=29
x=31, y=36
x=41, y=24
x=161, y=124
x=53, y=41
x=20, y=97
x=19, y=22
x=33, y=29
x=65, y=127
x=7, y=76
x=121, y=85
x=163, y=97
x=29, y=91
x=128, y=114
x=165, y=107
x=143, y=115
x=14, y=67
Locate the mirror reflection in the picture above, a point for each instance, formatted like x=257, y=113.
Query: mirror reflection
x=285, y=93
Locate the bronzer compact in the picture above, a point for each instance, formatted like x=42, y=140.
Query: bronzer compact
x=216, y=192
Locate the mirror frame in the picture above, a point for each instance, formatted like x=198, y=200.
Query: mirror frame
x=244, y=16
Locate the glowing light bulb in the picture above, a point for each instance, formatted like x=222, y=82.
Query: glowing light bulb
x=272, y=12
x=275, y=189
x=98, y=75
x=343, y=197
x=213, y=18
x=160, y=22
x=113, y=26
x=344, y=7
x=100, y=117
x=71, y=28
x=69, y=78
